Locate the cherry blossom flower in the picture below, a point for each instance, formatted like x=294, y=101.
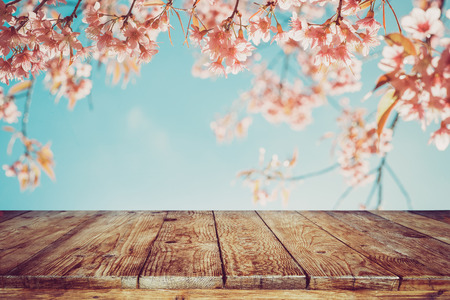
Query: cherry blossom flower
x=259, y=30
x=422, y=24
x=441, y=137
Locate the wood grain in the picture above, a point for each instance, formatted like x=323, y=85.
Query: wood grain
x=431, y=227
x=27, y=234
x=108, y=252
x=106, y=294
x=5, y=215
x=415, y=275
x=253, y=258
x=417, y=246
x=329, y=263
x=439, y=215
x=185, y=255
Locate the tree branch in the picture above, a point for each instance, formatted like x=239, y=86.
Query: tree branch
x=400, y=185
x=35, y=10
x=26, y=111
x=234, y=10
x=339, y=10
x=315, y=173
x=12, y=2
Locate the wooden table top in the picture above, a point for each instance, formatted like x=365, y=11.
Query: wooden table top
x=246, y=250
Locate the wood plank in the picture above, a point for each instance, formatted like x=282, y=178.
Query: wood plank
x=420, y=247
x=431, y=227
x=185, y=255
x=415, y=275
x=137, y=294
x=27, y=234
x=329, y=263
x=108, y=252
x=253, y=258
x=439, y=215
x=5, y=215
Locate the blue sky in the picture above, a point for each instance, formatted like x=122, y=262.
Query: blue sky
x=150, y=146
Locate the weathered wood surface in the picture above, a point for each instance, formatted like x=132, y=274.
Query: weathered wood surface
x=106, y=294
x=413, y=270
x=185, y=254
x=107, y=251
x=329, y=263
x=221, y=251
x=419, y=223
x=440, y=215
x=9, y=214
x=252, y=255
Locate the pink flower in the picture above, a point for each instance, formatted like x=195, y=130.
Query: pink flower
x=9, y=112
x=298, y=26
x=422, y=24
x=392, y=58
x=368, y=22
x=441, y=137
x=105, y=40
x=217, y=68
x=135, y=36
x=259, y=30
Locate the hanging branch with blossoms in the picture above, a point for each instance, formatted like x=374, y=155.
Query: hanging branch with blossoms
x=323, y=46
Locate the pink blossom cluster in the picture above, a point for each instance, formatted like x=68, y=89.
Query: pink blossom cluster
x=27, y=169
x=281, y=101
x=229, y=126
x=336, y=41
x=357, y=142
x=121, y=36
x=270, y=176
x=418, y=68
x=8, y=108
x=70, y=81
x=29, y=41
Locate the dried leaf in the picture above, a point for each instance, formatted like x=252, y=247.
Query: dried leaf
x=116, y=74
x=9, y=129
x=18, y=87
x=399, y=39
x=245, y=173
x=383, y=79
x=385, y=107
x=195, y=21
x=365, y=4
x=293, y=160
x=153, y=3
x=45, y=160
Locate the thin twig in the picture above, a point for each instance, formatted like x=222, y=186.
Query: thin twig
x=339, y=10
x=400, y=186
x=347, y=191
x=315, y=173
x=343, y=196
x=372, y=191
x=234, y=10
x=26, y=111
x=74, y=12
x=12, y=2
x=35, y=10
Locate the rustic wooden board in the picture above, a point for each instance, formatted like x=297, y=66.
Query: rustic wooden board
x=415, y=275
x=329, y=263
x=417, y=246
x=440, y=215
x=107, y=252
x=422, y=224
x=5, y=215
x=27, y=234
x=253, y=258
x=185, y=255
x=105, y=294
